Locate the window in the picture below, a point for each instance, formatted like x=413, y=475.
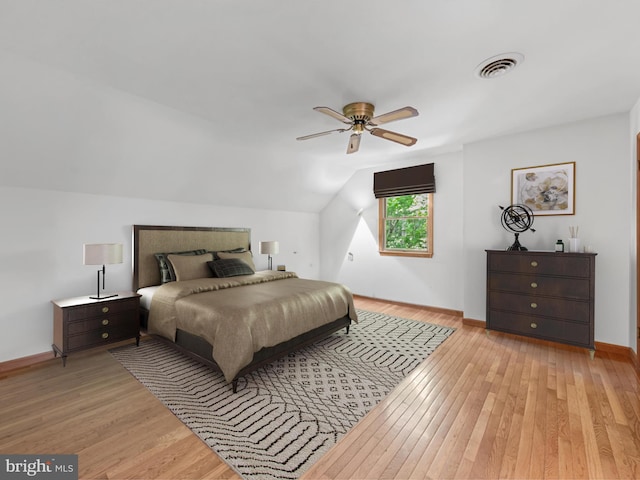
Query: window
x=406, y=225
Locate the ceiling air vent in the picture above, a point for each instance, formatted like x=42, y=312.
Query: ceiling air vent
x=499, y=65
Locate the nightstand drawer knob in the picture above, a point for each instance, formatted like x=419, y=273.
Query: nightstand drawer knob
x=534, y=305
x=534, y=285
x=105, y=309
x=105, y=335
x=534, y=325
x=534, y=263
x=105, y=321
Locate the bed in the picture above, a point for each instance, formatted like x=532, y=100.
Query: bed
x=202, y=295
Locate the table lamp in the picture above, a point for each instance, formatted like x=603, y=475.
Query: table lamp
x=102, y=254
x=270, y=248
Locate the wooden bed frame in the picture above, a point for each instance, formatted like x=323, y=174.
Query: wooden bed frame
x=151, y=239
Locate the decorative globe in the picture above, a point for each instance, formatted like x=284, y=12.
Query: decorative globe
x=517, y=219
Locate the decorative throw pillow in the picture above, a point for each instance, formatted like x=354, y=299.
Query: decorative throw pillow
x=166, y=271
x=189, y=267
x=244, y=256
x=230, y=267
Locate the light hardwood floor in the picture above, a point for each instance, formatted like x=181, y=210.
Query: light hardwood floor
x=481, y=406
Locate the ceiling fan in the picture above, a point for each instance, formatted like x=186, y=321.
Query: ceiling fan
x=359, y=117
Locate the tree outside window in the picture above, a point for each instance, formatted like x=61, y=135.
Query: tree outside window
x=406, y=225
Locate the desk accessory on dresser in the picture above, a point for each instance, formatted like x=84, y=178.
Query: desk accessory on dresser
x=574, y=241
x=517, y=219
x=102, y=254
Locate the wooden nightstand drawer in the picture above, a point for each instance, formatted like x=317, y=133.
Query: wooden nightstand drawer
x=81, y=323
x=577, y=288
x=101, y=336
x=557, y=264
x=102, y=308
x=102, y=322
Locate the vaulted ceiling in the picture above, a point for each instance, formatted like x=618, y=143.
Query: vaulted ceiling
x=202, y=100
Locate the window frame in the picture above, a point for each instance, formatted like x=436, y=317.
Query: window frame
x=382, y=204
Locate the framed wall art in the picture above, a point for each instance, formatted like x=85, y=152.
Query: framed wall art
x=547, y=189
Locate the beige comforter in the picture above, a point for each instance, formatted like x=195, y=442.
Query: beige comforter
x=240, y=315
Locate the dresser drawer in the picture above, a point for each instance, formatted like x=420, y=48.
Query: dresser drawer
x=555, y=264
x=97, y=337
x=102, y=308
x=574, y=288
x=102, y=322
x=541, y=327
x=559, y=308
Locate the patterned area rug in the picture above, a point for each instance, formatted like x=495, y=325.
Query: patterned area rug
x=285, y=416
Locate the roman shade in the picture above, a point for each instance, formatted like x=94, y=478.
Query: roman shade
x=404, y=181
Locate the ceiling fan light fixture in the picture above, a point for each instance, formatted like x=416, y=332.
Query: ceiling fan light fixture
x=499, y=65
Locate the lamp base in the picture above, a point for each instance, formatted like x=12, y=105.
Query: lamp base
x=98, y=296
x=102, y=297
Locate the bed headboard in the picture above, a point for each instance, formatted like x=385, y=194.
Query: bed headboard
x=151, y=239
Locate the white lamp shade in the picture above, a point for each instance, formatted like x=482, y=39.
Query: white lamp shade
x=271, y=247
x=102, y=253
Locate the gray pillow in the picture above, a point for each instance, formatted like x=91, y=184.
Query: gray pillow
x=245, y=256
x=230, y=267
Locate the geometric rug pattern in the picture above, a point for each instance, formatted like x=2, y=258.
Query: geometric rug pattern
x=286, y=415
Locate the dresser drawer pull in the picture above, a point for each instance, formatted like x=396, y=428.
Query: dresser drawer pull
x=105, y=309
x=105, y=321
x=534, y=325
x=534, y=263
x=105, y=335
x=534, y=285
x=534, y=305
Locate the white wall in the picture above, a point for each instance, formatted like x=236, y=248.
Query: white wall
x=425, y=281
x=43, y=233
x=604, y=205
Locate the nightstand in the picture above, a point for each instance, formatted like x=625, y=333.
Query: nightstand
x=81, y=323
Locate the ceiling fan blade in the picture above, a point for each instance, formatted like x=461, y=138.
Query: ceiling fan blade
x=334, y=114
x=354, y=143
x=314, y=135
x=406, y=112
x=393, y=136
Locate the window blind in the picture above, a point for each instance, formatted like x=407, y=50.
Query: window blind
x=404, y=181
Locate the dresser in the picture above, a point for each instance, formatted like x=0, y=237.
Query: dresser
x=80, y=323
x=545, y=295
